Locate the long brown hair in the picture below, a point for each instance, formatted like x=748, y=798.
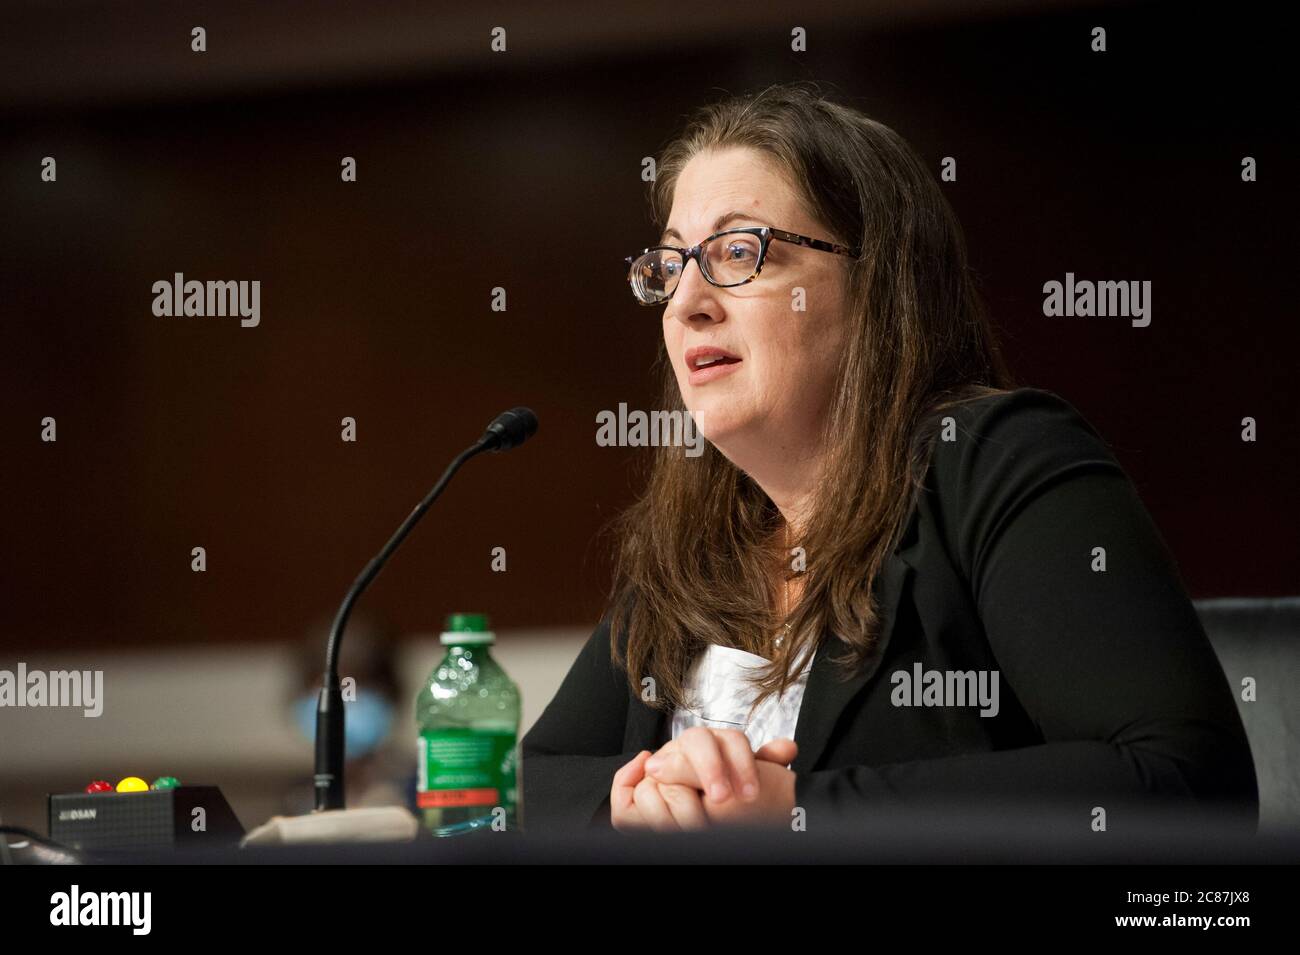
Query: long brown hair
x=697, y=563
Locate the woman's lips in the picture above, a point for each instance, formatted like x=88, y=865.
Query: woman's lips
x=704, y=364
x=701, y=376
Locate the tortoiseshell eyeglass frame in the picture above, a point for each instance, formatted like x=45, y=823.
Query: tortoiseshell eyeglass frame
x=765, y=234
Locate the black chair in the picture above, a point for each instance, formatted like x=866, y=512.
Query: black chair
x=1259, y=637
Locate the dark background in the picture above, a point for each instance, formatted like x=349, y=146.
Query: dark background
x=522, y=170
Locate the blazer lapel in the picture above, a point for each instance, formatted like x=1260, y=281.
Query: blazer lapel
x=646, y=726
x=827, y=693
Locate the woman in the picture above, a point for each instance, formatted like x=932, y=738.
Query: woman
x=891, y=577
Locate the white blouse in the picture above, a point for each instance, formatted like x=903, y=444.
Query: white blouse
x=720, y=689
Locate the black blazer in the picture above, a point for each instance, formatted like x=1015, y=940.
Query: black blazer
x=1109, y=690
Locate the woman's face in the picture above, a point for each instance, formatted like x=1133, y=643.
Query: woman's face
x=772, y=399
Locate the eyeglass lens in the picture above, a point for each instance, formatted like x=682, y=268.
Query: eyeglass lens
x=727, y=259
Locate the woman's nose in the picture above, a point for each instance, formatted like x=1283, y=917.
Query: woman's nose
x=694, y=300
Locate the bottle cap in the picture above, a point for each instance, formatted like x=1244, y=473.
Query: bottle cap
x=467, y=629
x=472, y=622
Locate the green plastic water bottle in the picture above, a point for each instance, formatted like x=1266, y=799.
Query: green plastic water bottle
x=467, y=717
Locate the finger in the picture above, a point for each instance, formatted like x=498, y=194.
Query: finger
x=660, y=756
x=675, y=769
x=629, y=817
x=684, y=803
x=735, y=746
x=781, y=751
x=623, y=814
x=672, y=769
x=625, y=780
x=653, y=808
x=631, y=772
x=700, y=748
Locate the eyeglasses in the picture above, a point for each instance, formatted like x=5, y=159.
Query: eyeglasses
x=726, y=259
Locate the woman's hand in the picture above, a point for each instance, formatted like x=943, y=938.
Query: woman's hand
x=638, y=802
x=771, y=807
x=734, y=784
x=703, y=760
x=719, y=763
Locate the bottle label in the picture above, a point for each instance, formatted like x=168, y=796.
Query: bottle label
x=466, y=767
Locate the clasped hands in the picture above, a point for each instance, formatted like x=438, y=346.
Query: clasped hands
x=705, y=777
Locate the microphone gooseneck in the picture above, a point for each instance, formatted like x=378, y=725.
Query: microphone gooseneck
x=508, y=430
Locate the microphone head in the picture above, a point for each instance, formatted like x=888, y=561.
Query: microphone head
x=510, y=429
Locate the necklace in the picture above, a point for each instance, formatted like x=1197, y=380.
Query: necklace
x=785, y=593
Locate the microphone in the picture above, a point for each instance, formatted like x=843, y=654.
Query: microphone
x=511, y=429
x=508, y=430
